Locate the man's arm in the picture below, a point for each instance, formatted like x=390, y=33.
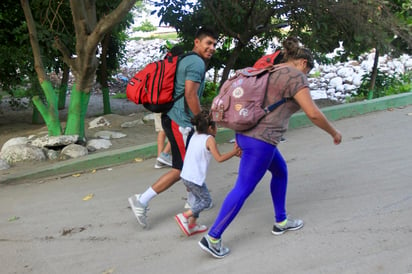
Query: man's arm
x=191, y=97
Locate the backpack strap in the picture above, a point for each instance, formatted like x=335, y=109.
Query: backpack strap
x=181, y=56
x=273, y=106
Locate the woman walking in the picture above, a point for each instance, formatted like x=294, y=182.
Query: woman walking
x=259, y=146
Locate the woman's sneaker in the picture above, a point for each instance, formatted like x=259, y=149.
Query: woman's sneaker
x=217, y=250
x=291, y=224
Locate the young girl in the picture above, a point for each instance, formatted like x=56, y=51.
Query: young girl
x=201, y=148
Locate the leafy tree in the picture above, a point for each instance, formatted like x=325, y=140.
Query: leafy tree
x=112, y=48
x=362, y=25
x=246, y=27
x=89, y=31
x=249, y=26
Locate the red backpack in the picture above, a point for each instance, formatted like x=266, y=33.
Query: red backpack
x=268, y=60
x=240, y=102
x=153, y=86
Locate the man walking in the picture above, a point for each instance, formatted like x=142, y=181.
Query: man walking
x=190, y=80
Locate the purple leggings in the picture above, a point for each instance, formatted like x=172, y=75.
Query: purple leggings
x=257, y=158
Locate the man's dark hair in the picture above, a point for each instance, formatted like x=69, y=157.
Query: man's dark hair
x=206, y=31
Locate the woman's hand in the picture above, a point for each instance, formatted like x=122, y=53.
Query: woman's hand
x=337, y=138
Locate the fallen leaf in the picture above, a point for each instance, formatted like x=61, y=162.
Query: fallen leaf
x=76, y=175
x=138, y=160
x=88, y=197
x=14, y=218
x=108, y=271
x=93, y=171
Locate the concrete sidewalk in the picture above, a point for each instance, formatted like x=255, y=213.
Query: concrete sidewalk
x=127, y=155
x=355, y=199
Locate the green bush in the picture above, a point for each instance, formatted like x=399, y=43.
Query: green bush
x=385, y=85
x=210, y=92
x=146, y=26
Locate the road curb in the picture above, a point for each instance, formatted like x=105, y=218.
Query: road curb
x=136, y=153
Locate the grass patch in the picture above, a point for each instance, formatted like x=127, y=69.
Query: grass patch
x=119, y=96
x=164, y=36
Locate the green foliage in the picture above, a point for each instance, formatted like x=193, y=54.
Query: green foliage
x=119, y=96
x=146, y=26
x=385, y=84
x=164, y=36
x=210, y=92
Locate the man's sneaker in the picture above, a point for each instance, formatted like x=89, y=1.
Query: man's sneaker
x=217, y=250
x=138, y=209
x=291, y=224
x=183, y=223
x=197, y=229
x=160, y=165
x=165, y=158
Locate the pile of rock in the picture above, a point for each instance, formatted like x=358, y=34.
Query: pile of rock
x=335, y=82
x=342, y=80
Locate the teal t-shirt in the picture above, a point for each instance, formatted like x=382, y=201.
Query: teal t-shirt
x=192, y=68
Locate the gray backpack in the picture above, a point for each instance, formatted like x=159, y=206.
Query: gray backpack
x=239, y=104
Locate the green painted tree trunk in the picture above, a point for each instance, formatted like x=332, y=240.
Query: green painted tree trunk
x=49, y=112
x=77, y=113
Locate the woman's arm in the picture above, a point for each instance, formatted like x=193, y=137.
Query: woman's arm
x=305, y=101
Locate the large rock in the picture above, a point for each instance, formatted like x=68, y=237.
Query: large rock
x=4, y=165
x=18, y=153
x=107, y=134
x=98, y=122
x=55, y=141
x=73, y=151
x=15, y=141
x=96, y=144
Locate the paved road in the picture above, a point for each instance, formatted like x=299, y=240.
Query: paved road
x=355, y=199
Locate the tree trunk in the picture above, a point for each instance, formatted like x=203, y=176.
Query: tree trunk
x=231, y=62
x=79, y=101
x=36, y=117
x=89, y=34
x=63, y=86
x=104, y=78
x=374, y=74
x=50, y=112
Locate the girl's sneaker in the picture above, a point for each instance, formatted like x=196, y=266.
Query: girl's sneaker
x=183, y=223
x=197, y=229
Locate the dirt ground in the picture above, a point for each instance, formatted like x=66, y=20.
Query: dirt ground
x=17, y=123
